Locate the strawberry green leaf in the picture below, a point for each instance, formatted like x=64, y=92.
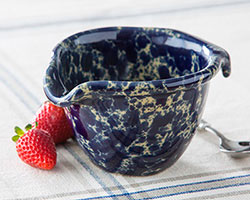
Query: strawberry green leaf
x=18, y=131
x=28, y=127
x=36, y=124
x=15, y=138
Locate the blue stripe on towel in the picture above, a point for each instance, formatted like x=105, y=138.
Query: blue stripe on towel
x=194, y=191
x=180, y=185
x=91, y=172
x=19, y=83
x=121, y=188
x=98, y=179
x=31, y=109
x=17, y=95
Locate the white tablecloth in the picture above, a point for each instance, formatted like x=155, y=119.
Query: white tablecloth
x=28, y=32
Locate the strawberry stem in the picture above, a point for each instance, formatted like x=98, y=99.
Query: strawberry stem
x=15, y=138
x=18, y=131
x=28, y=127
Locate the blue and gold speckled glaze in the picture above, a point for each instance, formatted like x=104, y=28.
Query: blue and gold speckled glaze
x=134, y=95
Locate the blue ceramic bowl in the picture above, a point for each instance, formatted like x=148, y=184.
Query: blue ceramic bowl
x=134, y=95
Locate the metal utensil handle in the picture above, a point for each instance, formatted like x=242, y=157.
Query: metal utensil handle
x=207, y=127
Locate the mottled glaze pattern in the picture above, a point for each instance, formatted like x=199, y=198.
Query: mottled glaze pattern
x=134, y=96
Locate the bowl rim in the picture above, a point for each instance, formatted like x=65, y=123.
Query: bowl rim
x=219, y=58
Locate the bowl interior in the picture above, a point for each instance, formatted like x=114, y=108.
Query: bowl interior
x=128, y=54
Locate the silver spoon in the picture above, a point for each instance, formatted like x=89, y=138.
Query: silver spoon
x=233, y=148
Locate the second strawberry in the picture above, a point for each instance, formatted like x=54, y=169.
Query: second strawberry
x=52, y=119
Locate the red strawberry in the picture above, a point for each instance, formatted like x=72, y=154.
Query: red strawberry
x=35, y=147
x=52, y=119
